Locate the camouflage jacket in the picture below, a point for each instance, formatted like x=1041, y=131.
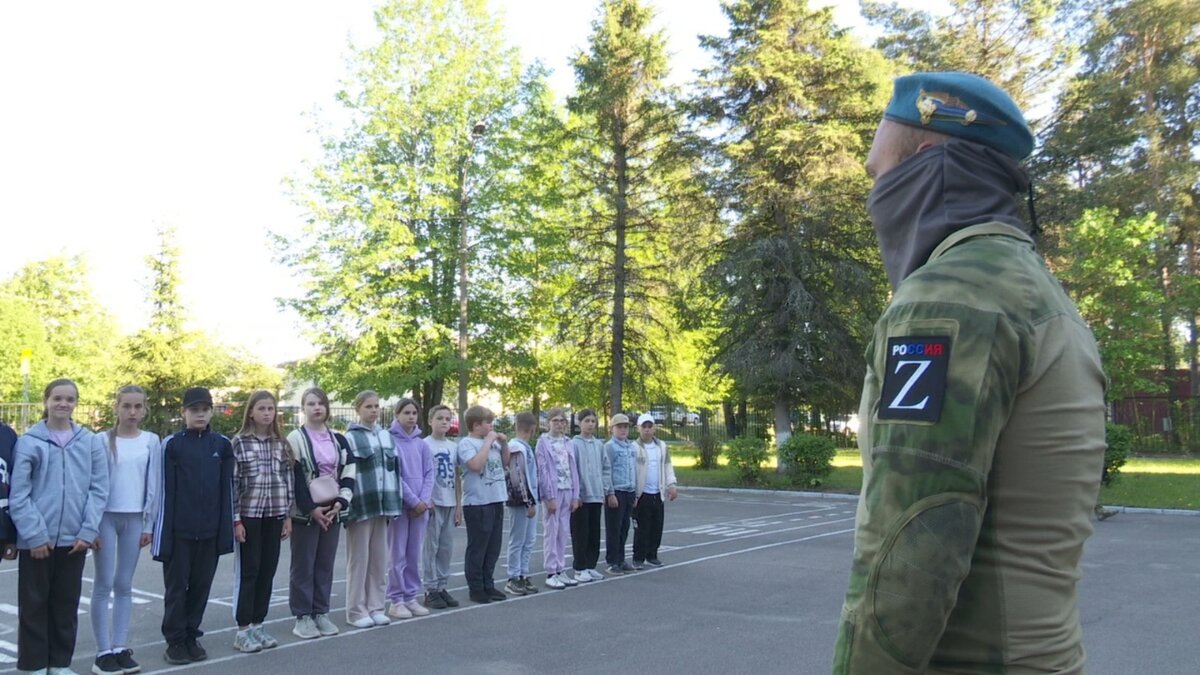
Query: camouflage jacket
x=982, y=446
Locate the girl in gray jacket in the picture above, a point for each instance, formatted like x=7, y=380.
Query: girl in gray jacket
x=59, y=489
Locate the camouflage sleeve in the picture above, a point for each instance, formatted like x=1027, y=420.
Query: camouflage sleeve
x=941, y=381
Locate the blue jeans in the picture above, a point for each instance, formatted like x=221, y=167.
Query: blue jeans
x=114, y=565
x=522, y=535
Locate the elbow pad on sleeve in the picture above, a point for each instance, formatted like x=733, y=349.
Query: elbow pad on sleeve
x=913, y=586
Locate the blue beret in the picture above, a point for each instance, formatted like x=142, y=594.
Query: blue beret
x=962, y=105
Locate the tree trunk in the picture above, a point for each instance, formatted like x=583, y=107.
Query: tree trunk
x=463, y=254
x=783, y=427
x=1169, y=363
x=619, y=272
x=742, y=423
x=731, y=425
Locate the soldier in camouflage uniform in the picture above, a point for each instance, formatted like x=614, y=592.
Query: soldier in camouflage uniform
x=982, y=409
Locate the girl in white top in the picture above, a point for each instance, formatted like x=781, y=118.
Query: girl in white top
x=134, y=470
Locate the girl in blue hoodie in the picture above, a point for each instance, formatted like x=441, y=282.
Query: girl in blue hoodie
x=59, y=489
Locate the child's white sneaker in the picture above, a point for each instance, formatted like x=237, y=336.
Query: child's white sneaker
x=246, y=642
x=582, y=576
x=364, y=622
x=305, y=629
x=416, y=608
x=566, y=579
x=324, y=625
x=596, y=576
x=398, y=611
x=555, y=582
x=380, y=619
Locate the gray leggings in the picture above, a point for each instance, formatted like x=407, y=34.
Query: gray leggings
x=114, y=564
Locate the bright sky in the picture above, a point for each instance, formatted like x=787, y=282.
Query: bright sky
x=121, y=117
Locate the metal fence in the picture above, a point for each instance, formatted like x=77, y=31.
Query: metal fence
x=675, y=423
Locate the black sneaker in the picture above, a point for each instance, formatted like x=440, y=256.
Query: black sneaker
x=654, y=561
x=450, y=601
x=496, y=595
x=434, y=600
x=638, y=565
x=177, y=654
x=194, y=651
x=481, y=597
x=106, y=664
x=125, y=660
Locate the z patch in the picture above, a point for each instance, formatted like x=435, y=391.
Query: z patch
x=914, y=384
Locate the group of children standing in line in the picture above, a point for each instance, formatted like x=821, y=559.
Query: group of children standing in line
x=199, y=495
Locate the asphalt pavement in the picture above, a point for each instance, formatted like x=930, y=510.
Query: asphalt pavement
x=752, y=583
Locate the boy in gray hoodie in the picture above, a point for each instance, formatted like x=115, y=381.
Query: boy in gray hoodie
x=585, y=522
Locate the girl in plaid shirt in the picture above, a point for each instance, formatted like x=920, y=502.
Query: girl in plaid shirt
x=376, y=501
x=263, y=495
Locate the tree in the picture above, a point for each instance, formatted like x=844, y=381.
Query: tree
x=1109, y=267
x=398, y=190
x=1015, y=43
x=792, y=101
x=641, y=206
x=166, y=358
x=80, y=335
x=1126, y=140
x=22, y=329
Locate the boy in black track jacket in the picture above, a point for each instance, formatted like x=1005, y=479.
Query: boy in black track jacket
x=195, y=523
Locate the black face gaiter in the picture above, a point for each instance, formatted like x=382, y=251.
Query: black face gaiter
x=937, y=192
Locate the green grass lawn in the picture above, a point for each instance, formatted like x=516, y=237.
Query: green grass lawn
x=1151, y=482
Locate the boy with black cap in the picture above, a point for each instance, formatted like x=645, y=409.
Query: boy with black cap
x=195, y=523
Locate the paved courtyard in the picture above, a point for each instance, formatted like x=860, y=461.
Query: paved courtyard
x=753, y=583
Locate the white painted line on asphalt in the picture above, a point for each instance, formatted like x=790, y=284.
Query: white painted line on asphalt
x=341, y=610
x=471, y=607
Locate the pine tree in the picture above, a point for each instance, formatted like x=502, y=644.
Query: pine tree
x=793, y=101
x=641, y=209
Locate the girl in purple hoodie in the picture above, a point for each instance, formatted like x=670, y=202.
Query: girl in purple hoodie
x=407, y=532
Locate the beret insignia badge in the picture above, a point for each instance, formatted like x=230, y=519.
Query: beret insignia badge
x=939, y=106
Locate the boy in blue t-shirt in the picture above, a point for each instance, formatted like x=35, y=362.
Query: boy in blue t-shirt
x=483, y=453
x=447, y=510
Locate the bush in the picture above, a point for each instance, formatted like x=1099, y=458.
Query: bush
x=1119, y=440
x=708, y=449
x=746, y=455
x=808, y=458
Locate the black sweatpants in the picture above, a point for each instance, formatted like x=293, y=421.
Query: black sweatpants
x=585, y=536
x=647, y=534
x=616, y=527
x=485, y=532
x=187, y=579
x=48, y=599
x=257, y=560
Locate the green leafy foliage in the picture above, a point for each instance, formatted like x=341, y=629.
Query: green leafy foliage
x=1117, y=450
x=440, y=147
x=746, y=455
x=708, y=451
x=78, y=337
x=808, y=458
